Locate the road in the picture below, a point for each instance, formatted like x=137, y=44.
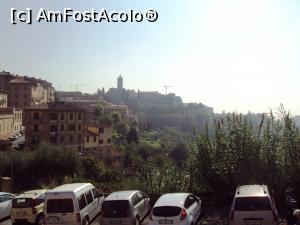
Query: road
x=95, y=221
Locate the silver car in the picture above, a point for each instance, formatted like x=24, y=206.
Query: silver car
x=125, y=207
x=5, y=205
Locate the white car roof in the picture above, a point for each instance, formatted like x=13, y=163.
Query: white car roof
x=70, y=187
x=252, y=190
x=121, y=195
x=5, y=193
x=172, y=199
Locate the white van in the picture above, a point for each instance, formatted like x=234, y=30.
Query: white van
x=253, y=205
x=72, y=204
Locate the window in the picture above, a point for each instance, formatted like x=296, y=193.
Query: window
x=96, y=193
x=53, y=140
x=115, y=208
x=36, y=116
x=5, y=197
x=62, y=127
x=101, y=141
x=60, y=206
x=135, y=199
x=62, y=116
x=95, y=138
x=166, y=211
x=62, y=139
x=81, y=202
x=108, y=140
x=71, y=138
x=89, y=197
x=79, y=138
x=79, y=116
x=53, y=116
x=53, y=128
x=87, y=138
x=101, y=130
x=79, y=127
x=72, y=127
x=189, y=201
x=25, y=95
x=71, y=115
x=35, y=127
x=252, y=203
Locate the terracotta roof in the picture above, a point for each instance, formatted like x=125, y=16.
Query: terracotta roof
x=60, y=106
x=93, y=130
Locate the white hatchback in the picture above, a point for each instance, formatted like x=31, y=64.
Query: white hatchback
x=176, y=208
x=253, y=205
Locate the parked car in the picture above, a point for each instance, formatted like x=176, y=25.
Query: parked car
x=28, y=207
x=72, y=204
x=125, y=207
x=253, y=204
x=5, y=205
x=176, y=208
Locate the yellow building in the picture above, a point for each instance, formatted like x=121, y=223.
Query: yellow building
x=6, y=123
x=3, y=99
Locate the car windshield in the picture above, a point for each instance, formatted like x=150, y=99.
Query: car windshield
x=166, y=211
x=252, y=204
x=116, y=209
x=22, y=203
x=60, y=206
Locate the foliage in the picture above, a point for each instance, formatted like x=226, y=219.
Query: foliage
x=239, y=153
x=180, y=154
x=163, y=179
x=132, y=136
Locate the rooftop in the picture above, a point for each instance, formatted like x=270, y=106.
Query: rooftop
x=60, y=106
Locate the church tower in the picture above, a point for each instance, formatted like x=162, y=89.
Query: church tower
x=120, y=82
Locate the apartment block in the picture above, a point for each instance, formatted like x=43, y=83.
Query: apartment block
x=56, y=123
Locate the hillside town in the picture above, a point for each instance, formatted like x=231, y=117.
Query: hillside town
x=32, y=112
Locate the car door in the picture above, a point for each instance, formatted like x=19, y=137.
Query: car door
x=90, y=204
x=138, y=205
x=198, y=207
x=146, y=200
x=5, y=205
x=98, y=199
x=190, y=206
x=143, y=204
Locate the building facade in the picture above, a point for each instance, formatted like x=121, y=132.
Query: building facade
x=6, y=123
x=55, y=123
x=3, y=99
x=25, y=91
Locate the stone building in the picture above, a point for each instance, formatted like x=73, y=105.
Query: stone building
x=56, y=123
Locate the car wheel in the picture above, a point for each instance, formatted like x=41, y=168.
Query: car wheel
x=85, y=221
x=41, y=220
x=137, y=221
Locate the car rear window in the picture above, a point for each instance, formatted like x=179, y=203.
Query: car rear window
x=22, y=203
x=252, y=204
x=166, y=211
x=60, y=206
x=115, y=209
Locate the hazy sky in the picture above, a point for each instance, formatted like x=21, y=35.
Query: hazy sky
x=231, y=55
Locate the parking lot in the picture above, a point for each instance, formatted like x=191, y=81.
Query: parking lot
x=95, y=221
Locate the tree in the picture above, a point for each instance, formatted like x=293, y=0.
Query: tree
x=179, y=154
x=132, y=136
